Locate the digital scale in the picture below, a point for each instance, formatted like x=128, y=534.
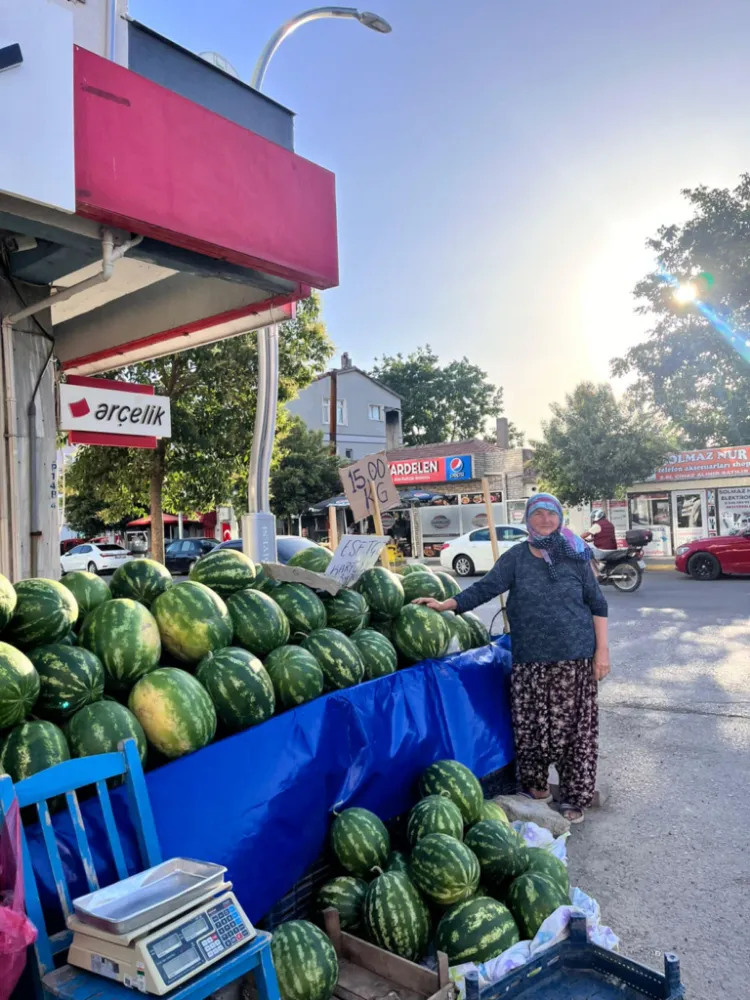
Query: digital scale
x=154, y=931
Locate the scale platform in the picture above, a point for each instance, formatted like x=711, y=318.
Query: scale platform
x=155, y=931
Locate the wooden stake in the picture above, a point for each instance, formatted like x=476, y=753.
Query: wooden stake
x=333, y=528
x=384, y=561
x=493, y=543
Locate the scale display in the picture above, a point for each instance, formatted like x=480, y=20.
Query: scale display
x=198, y=941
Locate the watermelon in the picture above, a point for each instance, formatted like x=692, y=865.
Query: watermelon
x=396, y=917
x=259, y=623
x=378, y=655
x=125, y=637
x=479, y=631
x=460, y=630
x=545, y=863
x=302, y=606
x=384, y=627
x=263, y=582
x=141, y=580
x=422, y=585
x=420, y=633
x=435, y=814
x=295, y=674
x=414, y=568
x=449, y=585
x=347, y=611
x=193, y=621
x=312, y=557
x=45, y=612
x=32, y=747
x=70, y=639
x=383, y=591
x=454, y=780
x=7, y=601
x=174, y=708
x=501, y=851
x=100, y=727
x=70, y=677
x=225, y=571
x=337, y=657
x=360, y=841
x=397, y=862
x=305, y=961
x=532, y=898
x=239, y=687
x=476, y=931
x=19, y=685
x=444, y=869
x=491, y=810
x=88, y=589
x=347, y=895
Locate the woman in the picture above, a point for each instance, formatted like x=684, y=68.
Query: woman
x=558, y=622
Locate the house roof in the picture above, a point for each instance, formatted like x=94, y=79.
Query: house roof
x=353, y=368
x=471, y=447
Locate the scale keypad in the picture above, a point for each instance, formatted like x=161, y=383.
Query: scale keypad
x=229, y=926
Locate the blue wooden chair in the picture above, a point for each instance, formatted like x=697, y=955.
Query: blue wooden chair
x=66, y=981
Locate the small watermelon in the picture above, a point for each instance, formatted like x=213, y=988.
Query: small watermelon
x=295, y=674
x=491, y=810
x=315, y=558
x=88, y=589
x=420, y=633
x=444, y=869
x=378, y=655
x=476, y=931
x=449, y=584
x=396, y=917
x=346, y=611
x=337, y=657
x=460, y=630
x=305, y=961
x=502, y=852
x=383, y=591
x=45, y=612
x=347, y=895
x=415, y=568
x=480, y=632
x=435, y=814
x=360, y=841
x=302, y=606
x=100, y=727
x=397, y=862
x=8, y=601
x=141, y=580
x=259, y=623
x=263, y=582
x=125, y=637
x=454, y=780
x=531, y=899
x=545, y=863
x=385, y=628
x=422, y=585
x=19, y=686
x=193, y=621
x=225, y=571
x=174, y=708
x=239, y=687
x=69, y=676
x=32, y=747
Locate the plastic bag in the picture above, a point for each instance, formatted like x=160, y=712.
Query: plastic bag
x=16, y=930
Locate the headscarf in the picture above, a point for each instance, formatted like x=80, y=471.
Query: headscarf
x=562, y=543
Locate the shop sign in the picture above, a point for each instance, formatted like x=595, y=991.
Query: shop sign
x=450, y=469
x=120, y=414
x=360, y=478
x=734, y=510
x=707, y=463
x=354, y=554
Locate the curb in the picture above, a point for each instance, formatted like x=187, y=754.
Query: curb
x=660, y=567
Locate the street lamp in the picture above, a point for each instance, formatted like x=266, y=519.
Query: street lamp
x=258, y=527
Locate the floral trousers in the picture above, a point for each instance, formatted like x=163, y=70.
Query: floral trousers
x=556, y=721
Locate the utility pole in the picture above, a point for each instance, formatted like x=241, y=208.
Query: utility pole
x=333, y=407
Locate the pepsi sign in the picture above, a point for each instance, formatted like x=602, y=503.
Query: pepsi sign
x=453, y=469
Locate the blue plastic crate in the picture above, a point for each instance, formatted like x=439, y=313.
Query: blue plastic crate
x=577, y=970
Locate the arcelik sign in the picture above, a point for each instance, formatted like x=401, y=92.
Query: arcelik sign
x=706, y=463
x=454, y=468
x=102, y=411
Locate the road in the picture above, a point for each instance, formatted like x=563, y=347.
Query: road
x=667, y=856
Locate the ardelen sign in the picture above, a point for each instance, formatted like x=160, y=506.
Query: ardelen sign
x=453, y=468
x=119, y=414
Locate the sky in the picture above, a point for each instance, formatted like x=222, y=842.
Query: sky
x=499, y=165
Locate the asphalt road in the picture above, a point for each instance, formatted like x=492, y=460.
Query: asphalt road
x=668, y=856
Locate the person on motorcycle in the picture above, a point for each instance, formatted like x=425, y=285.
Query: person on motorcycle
x=601, y=534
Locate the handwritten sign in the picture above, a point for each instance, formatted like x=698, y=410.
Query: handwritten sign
x=356, y=479
x=354, y=554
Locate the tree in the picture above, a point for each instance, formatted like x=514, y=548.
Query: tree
x=686, y=370
x=450, y=403
x=213, y=393
x=304, y=470
x=594, y=447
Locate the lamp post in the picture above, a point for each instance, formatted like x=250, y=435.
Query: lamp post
x=258, y=526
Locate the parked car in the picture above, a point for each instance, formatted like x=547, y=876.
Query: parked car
x=286, y=546
x=182, y=553
x=96, y=557
x=472, y=553
x=708, y=558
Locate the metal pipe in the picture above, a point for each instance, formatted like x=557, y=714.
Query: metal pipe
x=35, y=532
x=12, y=560
x=254, y=486
x=112, y=31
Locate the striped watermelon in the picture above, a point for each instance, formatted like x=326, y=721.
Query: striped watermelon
x=444, y=869
x=476, y=931
x=45, y=612
x=545, y=863
x=295, y=674
x=435, y=814
x=396, y=917
x=347, y=611
x=193, y=621
x=347, y=895
x=383, y=591
x=459, y=630
x=378, y=655
x=71, y=639
x=100, y=727
x=419, y=633
x=397, y=862
x=302, y=606
x=502, y=852
x=315, y=558
x=337, y=657
x=259, y=623
x=19, y=686
x=479, y=631
x=360, y=841
x=7, y=601
x=422, y=585
x=88, y=589
x=491, y=810
x=414, y=568
x=32, y=747
x=305, y=961
x=125, y=637
x=225, y=571
x=454, y=780
x=239, y=687
x=69, y=676
x=384, y=627
x=176, y=713
x=264, y=582
x=532, y=898
x=141, y=580
x=449, y=584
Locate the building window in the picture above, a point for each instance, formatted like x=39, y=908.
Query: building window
x=376, y=412
x=341, y=420
x=349, y=452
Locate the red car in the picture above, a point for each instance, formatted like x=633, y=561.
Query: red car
x=708, y=558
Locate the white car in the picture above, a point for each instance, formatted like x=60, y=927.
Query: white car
x=472, y=553
x=96, y=557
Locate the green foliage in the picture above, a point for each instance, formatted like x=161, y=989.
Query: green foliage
x=305, y=472
x=594, y=447
x=685, y=370
x=450, y=403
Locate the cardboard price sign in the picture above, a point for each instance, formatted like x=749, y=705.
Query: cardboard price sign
x=357, y=478
x=354, y=554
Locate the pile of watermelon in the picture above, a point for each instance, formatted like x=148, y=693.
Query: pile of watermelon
x=84, y=665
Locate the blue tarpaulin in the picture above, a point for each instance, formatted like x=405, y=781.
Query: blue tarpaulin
x=260, y=802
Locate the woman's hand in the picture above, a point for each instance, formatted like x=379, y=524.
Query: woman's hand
x=601, y=663
x=430, y=602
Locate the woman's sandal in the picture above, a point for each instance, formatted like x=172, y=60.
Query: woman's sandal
x=526, y=794
x=573, y=814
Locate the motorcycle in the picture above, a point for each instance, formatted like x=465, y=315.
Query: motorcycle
x=623, y=568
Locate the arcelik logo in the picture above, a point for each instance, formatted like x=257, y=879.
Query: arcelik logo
x=123, y=413
x=80, y=408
